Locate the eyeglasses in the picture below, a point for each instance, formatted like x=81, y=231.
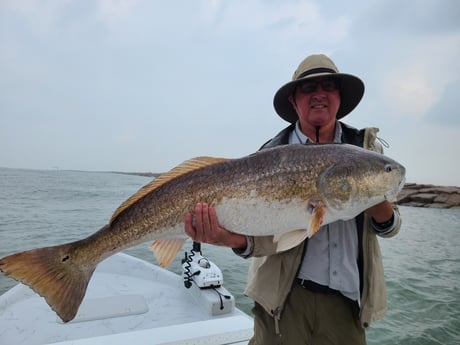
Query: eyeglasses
x=311, y=85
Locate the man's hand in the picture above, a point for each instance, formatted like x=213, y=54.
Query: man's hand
x=202, y=226
x=381, y=212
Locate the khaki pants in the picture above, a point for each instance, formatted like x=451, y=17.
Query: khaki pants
x=310, y=318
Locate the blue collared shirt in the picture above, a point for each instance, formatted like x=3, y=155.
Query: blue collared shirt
x=331, y=256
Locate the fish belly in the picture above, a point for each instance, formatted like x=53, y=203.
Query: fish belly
x=261, y=217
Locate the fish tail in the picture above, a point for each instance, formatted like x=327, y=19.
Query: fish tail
x=56, y=273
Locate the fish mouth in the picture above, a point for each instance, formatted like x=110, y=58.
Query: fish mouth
x=392, y=195
x=402, y=183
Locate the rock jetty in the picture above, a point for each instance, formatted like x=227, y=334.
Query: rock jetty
x=427, y=195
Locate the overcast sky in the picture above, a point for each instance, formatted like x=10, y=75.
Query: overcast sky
x=144, y=85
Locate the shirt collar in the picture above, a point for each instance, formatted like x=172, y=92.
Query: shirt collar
x=300, y=138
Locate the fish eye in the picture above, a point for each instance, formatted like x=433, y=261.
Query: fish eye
x=388, y=167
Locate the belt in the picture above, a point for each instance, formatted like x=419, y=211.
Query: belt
x=315, y=287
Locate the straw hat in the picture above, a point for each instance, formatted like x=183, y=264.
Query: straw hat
x=315, y=66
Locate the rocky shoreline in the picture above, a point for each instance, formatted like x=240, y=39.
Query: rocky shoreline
x=427, y=195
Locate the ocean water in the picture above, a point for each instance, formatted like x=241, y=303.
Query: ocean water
x=422, y=263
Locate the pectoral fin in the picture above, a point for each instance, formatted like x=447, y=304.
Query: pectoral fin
x=165, y=251
x=317, y=218
x=289, y=239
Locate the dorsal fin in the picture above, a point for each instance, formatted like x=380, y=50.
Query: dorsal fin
x=182, y=169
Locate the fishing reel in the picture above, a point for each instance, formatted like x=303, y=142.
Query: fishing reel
x=199, y=270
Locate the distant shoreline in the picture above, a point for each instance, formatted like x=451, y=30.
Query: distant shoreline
x=143, y=174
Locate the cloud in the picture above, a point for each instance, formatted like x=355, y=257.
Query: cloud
x=428, y=152
x=411, y=17
x=416, y=79
x=292, y=20
x=119, y=16
x=407, y=89
x=116, y=8
x=144, y=84
x=443, y=111
x=40, y=18
x=409, y=52
x=21, y=6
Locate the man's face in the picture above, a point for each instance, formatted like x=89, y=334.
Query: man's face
x=316, y=102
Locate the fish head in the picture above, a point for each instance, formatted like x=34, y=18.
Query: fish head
x=358, y=180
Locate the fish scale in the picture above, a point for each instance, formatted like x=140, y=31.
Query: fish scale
x=286, y=192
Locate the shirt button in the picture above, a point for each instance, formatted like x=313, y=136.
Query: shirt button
x=334, y=273
x=334, y=245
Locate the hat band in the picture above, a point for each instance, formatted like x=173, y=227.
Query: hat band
x=316, y=70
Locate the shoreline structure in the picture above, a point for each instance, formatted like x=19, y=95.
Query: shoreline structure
x=427, y=195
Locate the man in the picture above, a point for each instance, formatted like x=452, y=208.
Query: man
x=330, y=288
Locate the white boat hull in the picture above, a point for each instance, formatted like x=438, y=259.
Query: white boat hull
x=128, y=301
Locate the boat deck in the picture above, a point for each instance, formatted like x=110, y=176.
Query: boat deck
x=128, y=301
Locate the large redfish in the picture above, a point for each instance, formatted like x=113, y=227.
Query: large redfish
x=287, y=191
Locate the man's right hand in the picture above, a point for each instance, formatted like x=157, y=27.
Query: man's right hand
x=203, y=226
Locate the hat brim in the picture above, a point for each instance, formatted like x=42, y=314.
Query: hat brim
x=351, y=93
